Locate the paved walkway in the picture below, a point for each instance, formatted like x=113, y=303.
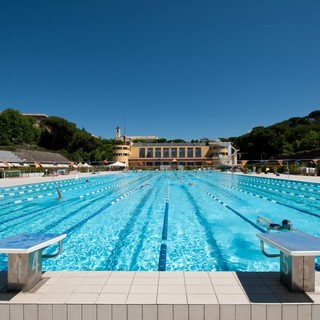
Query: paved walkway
x=288, y=177
x=19, y=181
x=7, y=182
x=102, y=295
x=118, y=287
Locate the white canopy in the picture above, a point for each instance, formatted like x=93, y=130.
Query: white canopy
x=47, y=165
x=86, y=165
x=16, y=164
x=117, y=164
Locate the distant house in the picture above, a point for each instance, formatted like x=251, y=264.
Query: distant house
x=36, y=116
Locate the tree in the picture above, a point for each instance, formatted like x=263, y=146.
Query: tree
x=57, y=133
x=310, y=141
x=17, y=129
x=161, y=140
x=315, y=115
x=286, y=137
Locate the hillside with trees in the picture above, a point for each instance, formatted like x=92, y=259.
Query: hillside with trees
x=297, y=137
x=54, y=134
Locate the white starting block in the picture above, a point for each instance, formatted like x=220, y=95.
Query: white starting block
x=25, y=258
x=297, y=262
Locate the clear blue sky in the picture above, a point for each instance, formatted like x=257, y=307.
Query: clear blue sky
x=175, y=69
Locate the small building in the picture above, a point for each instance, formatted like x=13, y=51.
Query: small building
x=36, y=116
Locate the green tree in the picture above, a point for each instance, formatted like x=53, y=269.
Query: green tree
x=310, y=141
x=298, y=134
x=17, y=129
x=161, y=140
x=57, y=133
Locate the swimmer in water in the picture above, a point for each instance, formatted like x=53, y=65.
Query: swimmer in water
x=145, y=185
x=285, y=225
x=59, y=193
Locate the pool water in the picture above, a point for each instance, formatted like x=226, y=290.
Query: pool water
x=150, y=221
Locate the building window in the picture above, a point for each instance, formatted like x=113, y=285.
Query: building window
x=190, y=152
x=174, y=152
x=149, y=164
x=166, y=152
x=142, y=152
x=158, y=152
x=121, y=148
x=150, y=153
x=182, y=152
x=198, y=152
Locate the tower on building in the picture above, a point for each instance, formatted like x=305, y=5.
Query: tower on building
x=118, y=134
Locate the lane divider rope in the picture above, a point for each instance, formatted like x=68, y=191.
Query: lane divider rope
x=163, y=248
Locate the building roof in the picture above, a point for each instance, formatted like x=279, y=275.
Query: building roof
x=142, y=137
x=170, y=144
x=36, y=115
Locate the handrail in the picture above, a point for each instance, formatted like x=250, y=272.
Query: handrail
x=269, y=255
x=47, y=256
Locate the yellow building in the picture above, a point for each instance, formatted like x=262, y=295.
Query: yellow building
x=121, y=153
x=172, y=155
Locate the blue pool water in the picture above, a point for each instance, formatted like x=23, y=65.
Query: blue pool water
x=156, y=221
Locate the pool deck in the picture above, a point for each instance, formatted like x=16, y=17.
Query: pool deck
x=8, y=182
x=101, y=295
x=104, y=295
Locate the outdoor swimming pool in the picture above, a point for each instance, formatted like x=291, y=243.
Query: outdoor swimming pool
x=152, y=221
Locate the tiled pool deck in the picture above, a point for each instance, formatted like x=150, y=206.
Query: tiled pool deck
x=102, y=295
